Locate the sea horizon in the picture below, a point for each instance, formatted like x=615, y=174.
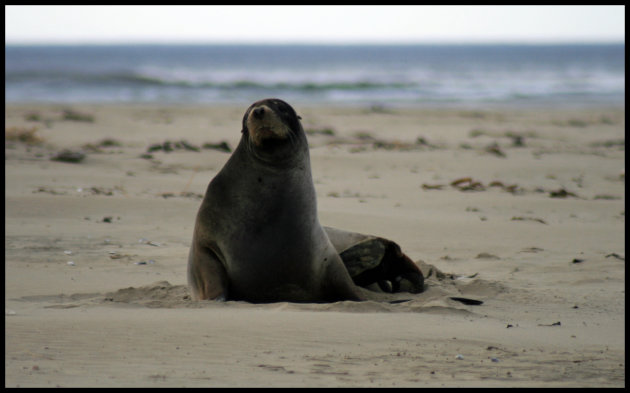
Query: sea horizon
x=402, y=74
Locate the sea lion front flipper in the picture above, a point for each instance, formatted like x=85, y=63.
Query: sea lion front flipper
x=206, y=275
x=371, y=259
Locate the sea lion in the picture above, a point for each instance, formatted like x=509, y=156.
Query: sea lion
x=372, y=259
x=257, y=236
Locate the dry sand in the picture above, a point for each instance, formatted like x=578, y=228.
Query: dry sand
x=536, y=233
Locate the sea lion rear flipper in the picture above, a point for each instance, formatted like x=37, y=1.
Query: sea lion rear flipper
x=371, y=259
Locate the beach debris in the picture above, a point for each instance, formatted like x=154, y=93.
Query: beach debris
x=168, y=146
x=71, y=263
x=281, y=368
x=518, y=140
x=477, y=132
x=577, y=123
x=107, y=219
x=104, y=143
x=540, y=220
x=32, y=116
x=562, y=193
x=70, y=156
x=166, y=194
x=364, y=136
x=509, y=325
x=485, y=255
x=22, y=134
x=606, y=120
x=184, y=194
x=109, y=142
x=432, y=186
x=578, y=180
x=37, y=117
x=379, y=108
x=72, y=115
x=465, y=277
x=221, y=146
x=422, y=141
x=393, y=145
x=494, y=148
x=188, y=146
x=551, y=324
x=105, y=191
x=362, y=140
x=49, y=191
x=610, y=143
x=190, y=194
x=349, y=194
x=457, y=182
x=467, y=184
x=494, y=360
x=532, y=249
x=149, y=242
x=459, y=357
x=327, y=131
x=116, y=255
x=606, y=197
x=615, y=255
x=577, y=260
x=467, y=301
x=513, y=188
x=68, y=252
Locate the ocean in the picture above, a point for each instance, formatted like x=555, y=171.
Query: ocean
x=577, y=75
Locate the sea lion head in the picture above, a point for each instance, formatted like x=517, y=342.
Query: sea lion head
x=273, y=129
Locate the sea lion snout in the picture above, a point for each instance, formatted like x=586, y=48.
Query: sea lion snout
x=262, y=115
x=259, y=113
x=264, y=123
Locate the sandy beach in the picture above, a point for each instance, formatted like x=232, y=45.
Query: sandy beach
x=521, y=209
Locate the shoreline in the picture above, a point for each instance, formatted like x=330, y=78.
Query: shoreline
x=533, y=104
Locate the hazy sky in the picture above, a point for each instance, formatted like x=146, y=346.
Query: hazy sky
x=313, y=24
